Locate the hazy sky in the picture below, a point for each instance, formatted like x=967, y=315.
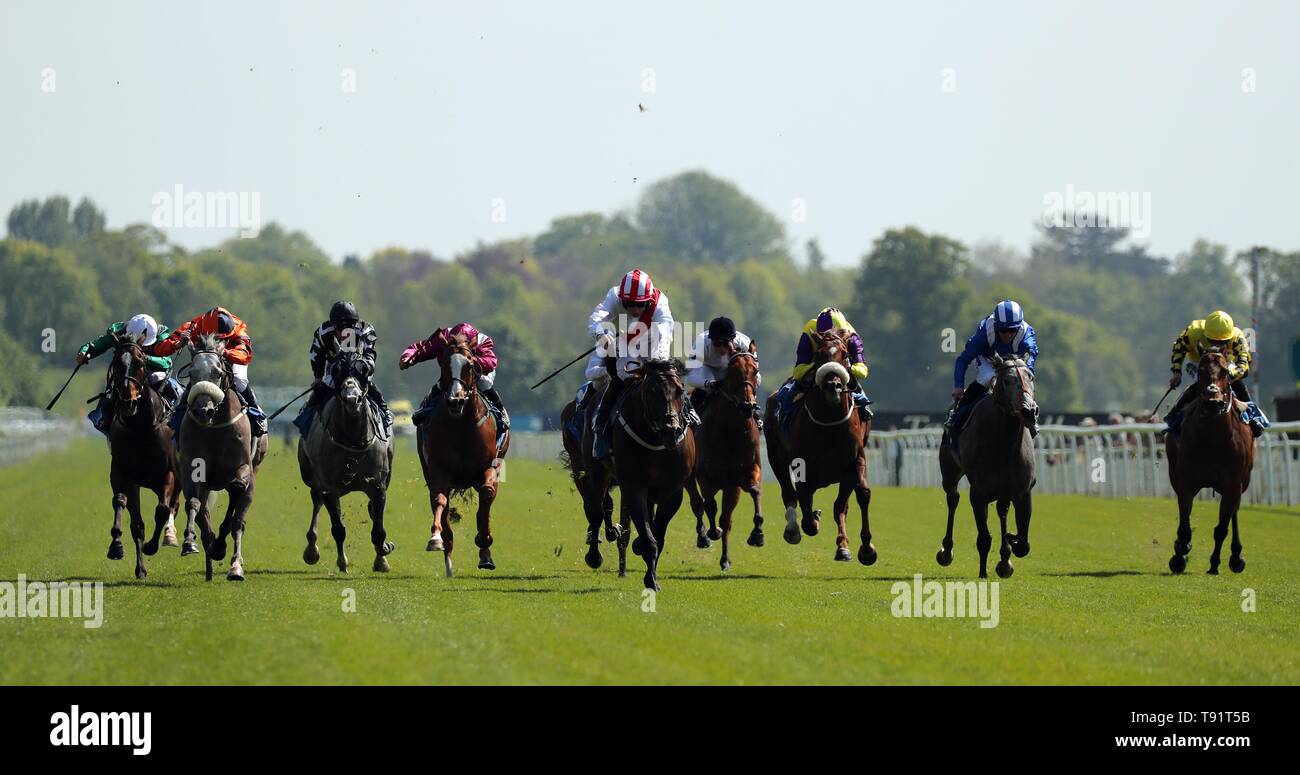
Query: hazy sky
x=955, y=117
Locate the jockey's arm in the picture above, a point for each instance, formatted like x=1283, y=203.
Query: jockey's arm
x=1239, y=366
x=1029, y=347
x=172, y=343
x=317, y=355
x=485, y=353
x=803, y=357
x=662, y=324
x=1182, y=345
x=239, y=350
x=100, y=344
x=603, y=311
x=423, y=349
x=857, y=360
x=975, y=347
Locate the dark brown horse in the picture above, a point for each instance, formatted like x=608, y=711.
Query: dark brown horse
x=458, y=451
x=141, y=445
x=653, y=455
x=217, y=452
x=573, y=462
x=826, y=445
x=1214, y=449
x=996, y=455
x=729, y=459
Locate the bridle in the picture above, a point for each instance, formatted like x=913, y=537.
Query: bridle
x=1209, y=362
x=752, y=384
x=657, y=430
x=831, y=344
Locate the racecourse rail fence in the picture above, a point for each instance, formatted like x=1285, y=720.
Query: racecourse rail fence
x=27, y=431
x=1112, y=461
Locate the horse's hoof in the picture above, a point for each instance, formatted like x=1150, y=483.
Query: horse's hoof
x=702, y=541
x=169, y=536
x=594, y=559
x=943, y=557
x=755, y=538
x=141, y=573
x=311, y=555
x=1004, y=570
x=381, y=564
x=387, y=548
x=1019, y=547
x=115, y=551
x=812, y=524
x=842, y=554
x=435, y=544
x=150, y=548
x=1237, y=564
x=792, y=536
x=343, y=565
x=715, y=534
x=651, y=583
x=639, y=546
x=611, y=533
x=487, y=564
x=725, y=565
x=1213, y=571
x=236, y=573
x=1177, y=563
x=188, y=548
x=867, y=555
x=217, y=551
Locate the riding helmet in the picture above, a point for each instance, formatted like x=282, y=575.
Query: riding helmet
x=343, y=313
x=722, y=330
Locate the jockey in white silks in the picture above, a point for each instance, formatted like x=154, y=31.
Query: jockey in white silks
x=709, y=359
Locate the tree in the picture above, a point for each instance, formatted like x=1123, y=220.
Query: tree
x=695, y=216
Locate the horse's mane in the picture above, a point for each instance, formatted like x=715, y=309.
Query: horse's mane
x=207, y=342
x=655, y=367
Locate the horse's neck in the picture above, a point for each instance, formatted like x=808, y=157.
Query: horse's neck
x=818, y=396
x=1000, y=423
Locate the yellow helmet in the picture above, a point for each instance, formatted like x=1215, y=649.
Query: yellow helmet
x=1218, y=326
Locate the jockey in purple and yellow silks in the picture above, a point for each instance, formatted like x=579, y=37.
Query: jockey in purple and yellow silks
x=829, y=318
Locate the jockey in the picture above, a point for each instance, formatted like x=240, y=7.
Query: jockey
x=221, y=323
x=708, y=361
x=144, y=331
x=644, y=310
x=484, y=353
x=1004, y=333
x=829, y=318
x=343, y=332
x=1216, y=330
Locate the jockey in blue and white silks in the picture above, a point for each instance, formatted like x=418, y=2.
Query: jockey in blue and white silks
x=1004, y=333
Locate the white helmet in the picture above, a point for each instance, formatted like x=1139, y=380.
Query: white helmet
x=143, y=329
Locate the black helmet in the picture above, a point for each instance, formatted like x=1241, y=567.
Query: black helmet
x=343, y=312
x=722, y=330
x=225, y=323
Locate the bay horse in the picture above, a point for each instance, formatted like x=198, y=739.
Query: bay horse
x=728, y=459
x=458, y=451
x=653, y=454
x=140, y=442
x=827, y=443
x=217, y=452
x=996, y=455
x=1214, y=449
x=347, y=450
x=573, y=462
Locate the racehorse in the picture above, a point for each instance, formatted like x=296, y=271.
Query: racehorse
x=728, y=457
x=458, y=451
x=1214, y=449
x=653, y=453
x=996, y=455
x=217, y=452
x=826, y=443
x=141, y=445
x=346, y=450
x=573, y=462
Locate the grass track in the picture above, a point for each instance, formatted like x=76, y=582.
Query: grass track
x=1093, y=603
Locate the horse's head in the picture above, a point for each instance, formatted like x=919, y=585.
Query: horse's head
x=127, y=376
x=1214, y=381
x=831, y=363
x=1013, y=387
x=739, y=382
x=661, y=395
x=209, y=378
x=352, y=381
x=459, y=378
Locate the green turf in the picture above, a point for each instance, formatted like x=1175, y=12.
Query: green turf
x=1093, y=603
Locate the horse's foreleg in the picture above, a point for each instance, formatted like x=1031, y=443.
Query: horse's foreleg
x=1019, y=540
x=487, y=493
x=161, y=519
x=624, y=536
x=311, y=555
x=241, y=498
x=944, y=555
x=170, y=498
x=867, y=552
x=983, y=538
x=115, y=548
x=812, y=520
x=337, y=530
x=1236, y=562
x=1183, y=541
x=597, y=507
x=730, y=497
x=137, y=529
x=789, y=497
x=1004, y=568
x=840, y=512
x=702, y=537
x=1228, y=504
x=755, y=490
x=196, y=509
x=378, y=534
x=637, y=500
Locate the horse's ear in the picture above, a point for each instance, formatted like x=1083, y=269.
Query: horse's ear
x=996, y=360
x=753, y=347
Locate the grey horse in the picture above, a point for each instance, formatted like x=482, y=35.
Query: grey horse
x=216, y=452
x=996, y=454
x=346, y=450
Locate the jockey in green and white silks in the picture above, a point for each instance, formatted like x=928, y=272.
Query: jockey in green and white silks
x=146, y=332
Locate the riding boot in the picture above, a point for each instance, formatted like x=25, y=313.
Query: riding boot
x=1174, y=418
x=861, y=400
x=381, y=404
x=692, y=405
x=102, y=415
x=1033, y=427
x=305, y=415
x=957, y=416
x=492, y=395
x=1254, y=415
x=604, y=410
x=256, y=417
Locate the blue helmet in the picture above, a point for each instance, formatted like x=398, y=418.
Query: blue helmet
x=1008, y=315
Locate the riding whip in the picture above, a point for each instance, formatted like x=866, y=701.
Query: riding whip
x=286, y=406
x=562, y=368
x=65, y=387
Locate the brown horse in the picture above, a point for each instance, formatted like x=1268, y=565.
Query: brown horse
x=826, y=445
x=729, y=460
x=996, y=455
x=573, y=462
x=653, y=455
x=217, y=452
x=1214, y=449
x=141, y=445
x=458, y=451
